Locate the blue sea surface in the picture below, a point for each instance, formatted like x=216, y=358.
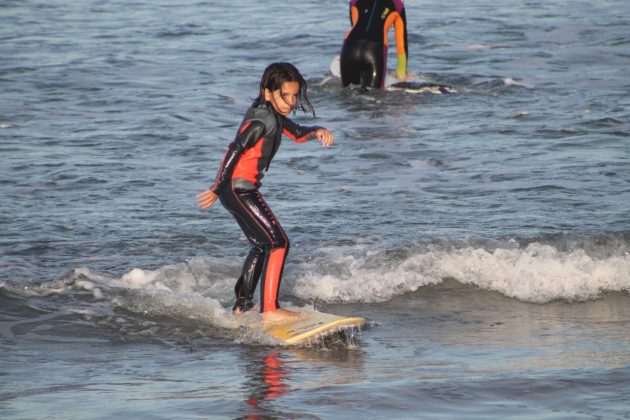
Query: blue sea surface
x=484, y=234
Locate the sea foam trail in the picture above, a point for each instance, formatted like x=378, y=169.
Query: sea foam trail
x=201, y=289
x=537, y=273
x=172, y=291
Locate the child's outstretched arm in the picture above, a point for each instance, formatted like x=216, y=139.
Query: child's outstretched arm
x=299, y=133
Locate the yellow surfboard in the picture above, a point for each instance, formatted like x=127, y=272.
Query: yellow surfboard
x=314, y=324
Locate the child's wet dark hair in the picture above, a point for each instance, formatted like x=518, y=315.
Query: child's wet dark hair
x=275, y=75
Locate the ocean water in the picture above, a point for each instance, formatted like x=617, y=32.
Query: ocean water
x=484, y=234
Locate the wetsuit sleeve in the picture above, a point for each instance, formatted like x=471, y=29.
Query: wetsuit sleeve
x=298, y=133
x=249, y=133
x=354, y=13
x=400, y=29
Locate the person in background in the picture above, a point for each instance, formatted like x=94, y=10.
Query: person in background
x=363, y=58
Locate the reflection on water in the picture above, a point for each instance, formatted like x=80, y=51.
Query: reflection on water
x=269, y=381
x=270, y=371
x=267, y=374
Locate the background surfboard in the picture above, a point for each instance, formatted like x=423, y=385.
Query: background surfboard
x=410, y=85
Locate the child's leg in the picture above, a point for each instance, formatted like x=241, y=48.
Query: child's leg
x=247, y=282
x=276, y=245
x=272, y=276
x=267, y=236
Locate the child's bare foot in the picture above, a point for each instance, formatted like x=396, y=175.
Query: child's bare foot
x=238, y=311
x=280, y=315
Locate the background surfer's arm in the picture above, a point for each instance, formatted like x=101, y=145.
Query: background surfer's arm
x=354, y=14
x=402, y=50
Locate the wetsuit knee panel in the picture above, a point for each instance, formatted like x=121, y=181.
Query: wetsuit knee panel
x=278, y=243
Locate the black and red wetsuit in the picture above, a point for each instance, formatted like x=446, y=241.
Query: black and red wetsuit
x=363, y=58
x=248, y=156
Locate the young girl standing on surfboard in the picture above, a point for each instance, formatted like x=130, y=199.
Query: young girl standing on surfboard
x=282, y=91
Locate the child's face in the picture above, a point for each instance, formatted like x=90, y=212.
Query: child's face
x=284, y=100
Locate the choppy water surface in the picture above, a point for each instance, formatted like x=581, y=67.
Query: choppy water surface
x=484, y=234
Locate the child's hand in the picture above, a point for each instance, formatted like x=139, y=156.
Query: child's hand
x=206, y=199
x=325, y=136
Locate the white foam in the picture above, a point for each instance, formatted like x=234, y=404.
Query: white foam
x=509, y=81
x=138, y=278
x=362, y=282
x=537, y=273
x=173, y=291
x=201, y=290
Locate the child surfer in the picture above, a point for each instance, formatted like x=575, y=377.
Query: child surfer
x=282, y=91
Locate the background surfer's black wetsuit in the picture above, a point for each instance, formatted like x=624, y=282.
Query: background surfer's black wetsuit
x=363, y=58
x=237, y=183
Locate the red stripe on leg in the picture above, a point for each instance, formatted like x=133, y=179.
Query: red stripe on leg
x=272, y=279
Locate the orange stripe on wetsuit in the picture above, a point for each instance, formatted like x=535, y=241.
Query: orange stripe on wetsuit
x=399, y=32
x=272, y=279
x=248, y=164
x=388, y=12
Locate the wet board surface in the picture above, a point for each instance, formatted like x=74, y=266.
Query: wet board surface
x=314, y=324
